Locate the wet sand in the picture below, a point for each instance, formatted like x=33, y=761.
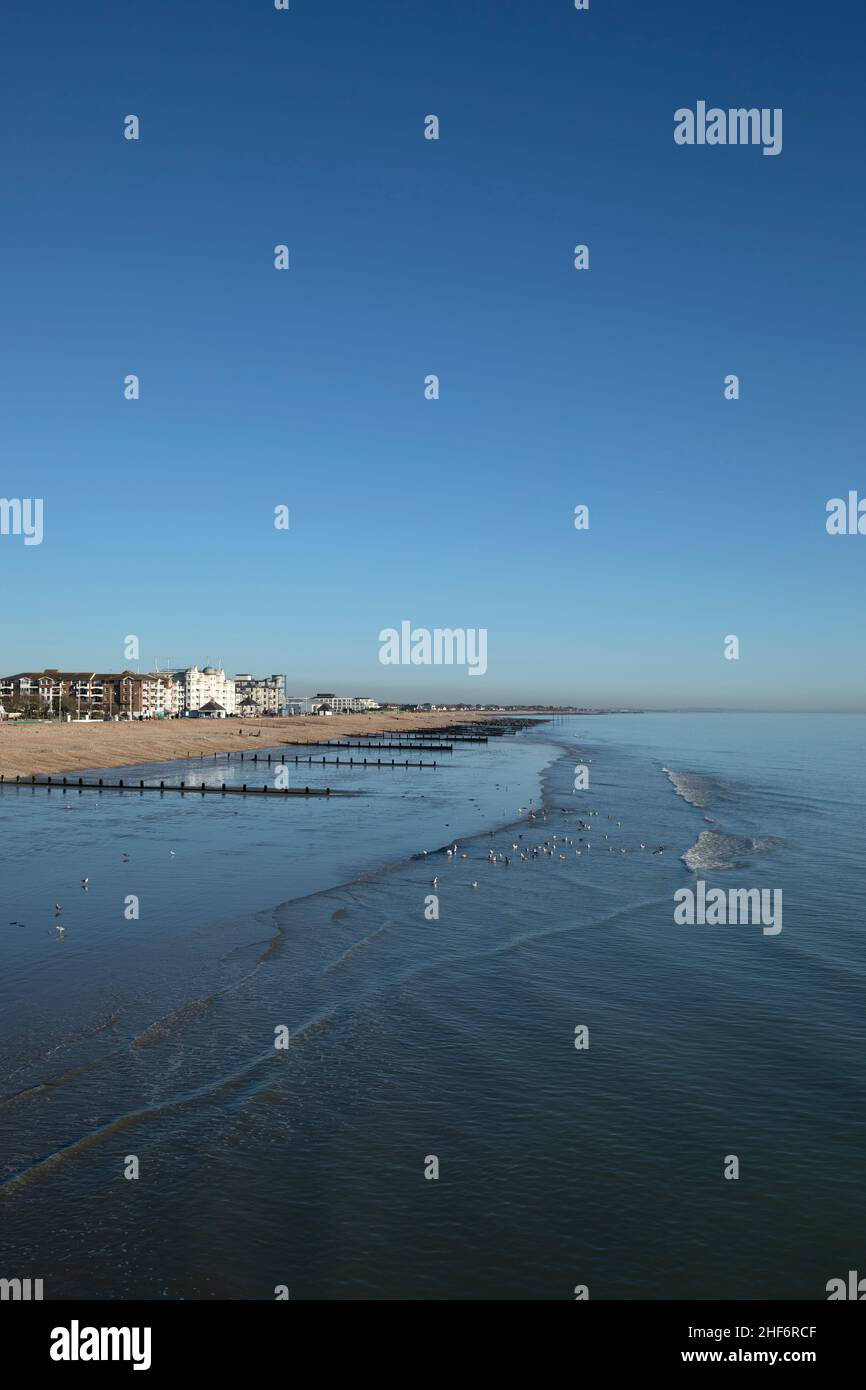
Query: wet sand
x=28, y=749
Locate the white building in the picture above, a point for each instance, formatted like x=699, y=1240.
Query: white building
x=201, y=687
x=342, y=704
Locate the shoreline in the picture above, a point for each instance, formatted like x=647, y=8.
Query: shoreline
x=28, y=750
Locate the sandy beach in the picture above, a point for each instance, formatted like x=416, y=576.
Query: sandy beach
x=37, y=749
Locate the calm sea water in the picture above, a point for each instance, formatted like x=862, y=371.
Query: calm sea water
x=451, y=1037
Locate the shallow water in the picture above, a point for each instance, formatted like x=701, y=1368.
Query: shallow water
x=451, y=1037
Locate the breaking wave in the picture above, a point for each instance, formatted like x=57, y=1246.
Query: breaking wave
x=698, y=789
x=714, y=849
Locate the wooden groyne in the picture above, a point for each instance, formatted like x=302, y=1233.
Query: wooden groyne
x=335, y=762
x=452, y=738
x=73, y=784
x=389, y=747
x=465, y=733
x=359, y=762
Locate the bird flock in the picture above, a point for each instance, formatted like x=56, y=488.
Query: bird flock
x=556, y=847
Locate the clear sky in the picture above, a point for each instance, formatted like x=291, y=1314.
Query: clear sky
x=411, y=256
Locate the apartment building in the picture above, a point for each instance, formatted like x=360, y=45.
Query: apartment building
x=260, y=694
x=197, y=688
x=158, y=696
x=89, y=694
x=38, y=691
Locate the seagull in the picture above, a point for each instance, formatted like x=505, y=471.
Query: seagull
x=84, y=882
x=126, y=859
x=171, y=854
x=434, y=881
x=57, y=907
x=474, y=884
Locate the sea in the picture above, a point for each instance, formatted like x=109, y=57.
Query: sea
x=296, y=1047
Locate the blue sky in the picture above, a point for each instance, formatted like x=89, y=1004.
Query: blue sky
x=410, y=257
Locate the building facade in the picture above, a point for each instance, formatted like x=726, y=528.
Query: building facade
x=260, y=694
x=129, y=694
x=200, y=687
x=341, y=704
x=158, y=696
x=90, y=694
